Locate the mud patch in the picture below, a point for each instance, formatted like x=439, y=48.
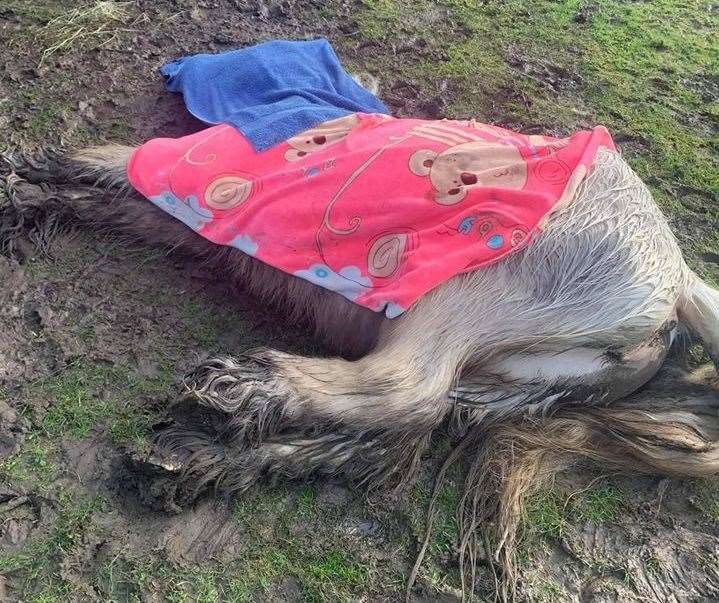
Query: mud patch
x=707, y=85
x=545, y=73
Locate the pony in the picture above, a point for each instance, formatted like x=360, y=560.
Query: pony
x=531, y=363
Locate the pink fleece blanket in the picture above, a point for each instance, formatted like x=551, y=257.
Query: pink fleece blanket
x=378, y=209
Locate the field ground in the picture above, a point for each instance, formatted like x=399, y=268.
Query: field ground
x=94, y=340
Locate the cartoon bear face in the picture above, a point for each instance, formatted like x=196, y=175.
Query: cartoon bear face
x=320, y=137
x=478, y=163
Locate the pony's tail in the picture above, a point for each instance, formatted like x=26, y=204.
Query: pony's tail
x=698, y=309
x=671, y=427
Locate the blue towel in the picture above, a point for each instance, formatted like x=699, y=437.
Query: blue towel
x=269, y=92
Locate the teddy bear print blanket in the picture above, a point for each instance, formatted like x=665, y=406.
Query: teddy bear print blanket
x=378, y=209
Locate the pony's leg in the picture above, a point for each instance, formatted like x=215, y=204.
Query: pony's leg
x=535, y=382
x=35, y=203
x=423, y=366
x=102, y=166
x=394, y=387
x=276, y=415
x=204, y=452
x=267, y=390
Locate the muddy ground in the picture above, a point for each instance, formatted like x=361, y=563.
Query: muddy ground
x=95, y=336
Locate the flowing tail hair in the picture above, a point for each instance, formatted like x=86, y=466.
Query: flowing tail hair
x=670, y=428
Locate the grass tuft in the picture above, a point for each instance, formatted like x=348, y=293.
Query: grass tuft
x=96, y=24
x=38, y=562
x=599, y=505
x=706, y=498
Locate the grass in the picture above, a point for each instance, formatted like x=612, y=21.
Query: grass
x=37, y=562
x=446, y=530
x=81, y=399
x=706, y=498
x=46, y=117
x=86, y=396
x=600, y=504
x=438, y=569
x=550, y=511
x=87, y=26
x=306, y=500
x=204, y=321
x=322, y=567
x=33, y=462
x=545, y=515
x=321, y=576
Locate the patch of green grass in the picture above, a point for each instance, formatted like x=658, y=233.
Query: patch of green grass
x=446, y=530
x=44, y=119
x=548, y=512
x=69, y=263
x=628, y=576
x=600, y=504
x=306, y=499
x=134, y=579
x=706, y=498
x=437, y=571
x=258, y=572
x=36, y=567
x=77, y=403
x=132, y=426
x=544, y=515
x=207, y=590
x=333, y=571
x=324, y=568
x=257, y=508
x=32, y=462
x=78, y=400
x=381, y=17
x=85, y=396
x=203, y=321
x=323, y=575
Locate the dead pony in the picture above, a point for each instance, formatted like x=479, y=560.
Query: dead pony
x=543, y=352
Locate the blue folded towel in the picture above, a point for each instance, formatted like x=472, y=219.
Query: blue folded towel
x=269, y=92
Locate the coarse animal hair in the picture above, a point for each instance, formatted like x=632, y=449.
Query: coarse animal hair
x=533, y=363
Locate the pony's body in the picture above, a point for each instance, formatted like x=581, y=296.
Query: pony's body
x=579, y=319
